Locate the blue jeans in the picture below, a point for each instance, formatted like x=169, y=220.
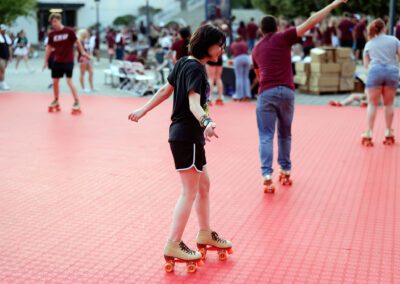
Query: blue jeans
x=242, y=69
x=250, y=43
x=275, y=105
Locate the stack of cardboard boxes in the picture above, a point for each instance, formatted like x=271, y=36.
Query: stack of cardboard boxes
x=331, y=70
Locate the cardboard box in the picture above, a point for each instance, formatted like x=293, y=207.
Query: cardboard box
x=346, y=84
x=326, y=89
x=301, y=79
x=302, y=67
x=348, y=68
x=321, y=55
x=325, y=68
x=325, y=80
x=343, y=52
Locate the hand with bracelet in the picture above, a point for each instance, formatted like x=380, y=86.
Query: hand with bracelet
x=209, y=127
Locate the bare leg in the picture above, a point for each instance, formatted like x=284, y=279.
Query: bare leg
x=218, y=80
x=388, y=100
x=203, y=201
x=373, y=102
x=90, y=70
x=82, y=75
x=73, y=89
x=56, y=88
x=190, y=185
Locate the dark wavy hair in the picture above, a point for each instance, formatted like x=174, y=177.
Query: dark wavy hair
x=203, y=38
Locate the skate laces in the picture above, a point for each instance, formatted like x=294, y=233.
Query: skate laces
x=216, y=238
x=185, y=248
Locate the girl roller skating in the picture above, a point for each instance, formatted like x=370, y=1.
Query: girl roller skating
x=190, y=127
x=380, y=58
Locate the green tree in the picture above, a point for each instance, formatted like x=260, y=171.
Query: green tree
x=293, y=8
x=10, y=10
x=241, y=4
x=152, y=10
x=126, y=20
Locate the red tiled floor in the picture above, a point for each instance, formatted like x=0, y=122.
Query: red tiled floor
x=89, y=198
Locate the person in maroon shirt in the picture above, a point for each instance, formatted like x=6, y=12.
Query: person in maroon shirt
x=273, y=67
x=180, y=47
x=62, y=41
x=242, y=31
x=360, y=37
x=345, y=29
x=328, y=30
x=239, y=50
x=397, y=30
x=111, y=44
x=252, y=31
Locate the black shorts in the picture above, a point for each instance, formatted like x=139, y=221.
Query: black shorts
x=188, y=155
x=58, y=70
x=360, y=44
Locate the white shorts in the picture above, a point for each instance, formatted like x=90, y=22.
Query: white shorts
x=21, y=51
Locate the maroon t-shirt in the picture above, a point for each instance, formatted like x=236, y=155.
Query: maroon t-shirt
x=252, y=30
x=327, y=35
x=111, y=41
x=242, y=31
x=398, y=31
x=359, y=30
x=272, y=56
x=63, y=42
x=346, y=29
x=181, y=49
x=239, y=48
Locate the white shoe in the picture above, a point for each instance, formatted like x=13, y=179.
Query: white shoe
x=94, y=90
x=87, y=91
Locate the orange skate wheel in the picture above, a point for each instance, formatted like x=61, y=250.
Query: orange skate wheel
x=169, y=267
x=222, y=255
x=191, y=268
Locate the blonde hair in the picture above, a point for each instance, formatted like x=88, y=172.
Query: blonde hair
x=82, y=34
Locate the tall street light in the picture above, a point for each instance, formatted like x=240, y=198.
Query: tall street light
x=97, y=16
x=391, y=22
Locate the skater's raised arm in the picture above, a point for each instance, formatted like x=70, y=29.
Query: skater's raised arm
x=199, y=113
x=318, y=17
x=164, y=93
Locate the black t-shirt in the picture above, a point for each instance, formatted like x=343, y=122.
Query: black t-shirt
x=187, y=75
x=4, y=47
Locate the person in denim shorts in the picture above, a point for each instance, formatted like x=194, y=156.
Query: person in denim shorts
x=380, y=58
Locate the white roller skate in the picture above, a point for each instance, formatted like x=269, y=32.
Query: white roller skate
x=284, y=178
x=268, y=184
x=208, y=240
x=178, y=252
x=76, y=108
x=54, y=106
x=389, y=137
x=366, y=139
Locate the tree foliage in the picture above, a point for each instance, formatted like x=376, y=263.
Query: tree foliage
x=10, y=10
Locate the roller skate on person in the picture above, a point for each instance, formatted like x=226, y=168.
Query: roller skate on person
x=208, y=240
x=284, y=178
x=178, y=252
x=389, y=137
x=335, y=103
x=268, y=184
x=366, y=139
x=54, y=106
x=76, y=108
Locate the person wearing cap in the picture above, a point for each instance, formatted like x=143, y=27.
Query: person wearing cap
x=5, y=55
